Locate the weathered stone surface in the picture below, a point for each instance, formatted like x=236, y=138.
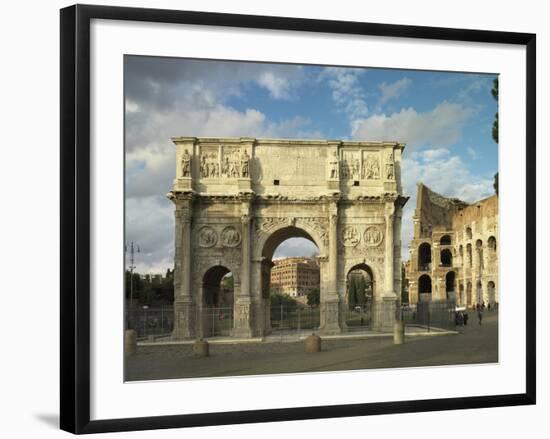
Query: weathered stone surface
x=201, y=348
x=313, y=344
x=130, y=341
x=237, y=199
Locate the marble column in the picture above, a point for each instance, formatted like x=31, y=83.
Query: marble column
x=330, y=301
x=384, y=307
x=185, y=318
x=242, y=327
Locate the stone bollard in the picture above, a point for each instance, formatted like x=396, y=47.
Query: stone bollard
x=398, y=332
x=201, y=348
x=130, y=341
x=313, y=344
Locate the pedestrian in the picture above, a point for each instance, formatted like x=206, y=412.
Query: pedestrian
x=465, y=318
x=479, y=316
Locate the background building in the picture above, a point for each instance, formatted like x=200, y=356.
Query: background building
x=453, y=254
x=295, y=276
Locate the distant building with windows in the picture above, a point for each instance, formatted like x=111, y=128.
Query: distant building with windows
x=295, y=276
x=453, y=253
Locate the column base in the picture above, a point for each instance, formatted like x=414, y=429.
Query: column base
x=330, y=318
x=383, y=314
x=242, y=319
x=185, y=320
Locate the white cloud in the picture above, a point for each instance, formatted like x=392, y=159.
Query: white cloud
x=441, y=126
x=445, y=174
x=295, y=247
x=473, y=153
x=392, y=90
x=278, y=86
x=346, y=90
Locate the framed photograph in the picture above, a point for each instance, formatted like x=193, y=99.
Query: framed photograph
x=276, y=218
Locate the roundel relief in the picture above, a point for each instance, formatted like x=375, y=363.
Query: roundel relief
x=373, y=236
x=230, y=237
x=207, y=237
x=350, y=236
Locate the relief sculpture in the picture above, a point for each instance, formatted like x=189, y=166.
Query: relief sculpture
x=230, y=237
x=186, y=164
x=371, y=167
x=207, y=237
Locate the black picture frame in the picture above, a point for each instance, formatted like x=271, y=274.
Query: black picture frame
x=75, y=217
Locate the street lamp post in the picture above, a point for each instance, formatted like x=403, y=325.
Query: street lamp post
x=133, y=250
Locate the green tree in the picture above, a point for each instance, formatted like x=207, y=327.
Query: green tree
x=289, y=304
x=360, y=291
x=494, y=92
x=352, y=293
x=314, y=297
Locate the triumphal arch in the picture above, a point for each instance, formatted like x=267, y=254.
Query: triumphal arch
x=237, y=199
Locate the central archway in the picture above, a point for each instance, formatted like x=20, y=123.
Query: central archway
x=291, y=282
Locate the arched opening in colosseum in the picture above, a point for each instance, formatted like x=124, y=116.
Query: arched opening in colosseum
x=479, y=250
x=446, y=258
x=469, y=254
x=291, y=279
x=445, y=240
x=469, y=293
x=217, y=301
x=491, y=293
x=450, y=285
x=424, y=257
x=425, y=287
x=461, y=254
x=479, y=292
x=492, y=243
x=461, y=298
x=468, y=233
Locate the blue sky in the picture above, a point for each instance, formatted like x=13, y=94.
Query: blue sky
x=444, y=118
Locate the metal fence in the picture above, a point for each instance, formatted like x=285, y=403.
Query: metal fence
x=217, y=321
x=294, y=318
x=429, y=315
x=154, y=321
x=357, y=319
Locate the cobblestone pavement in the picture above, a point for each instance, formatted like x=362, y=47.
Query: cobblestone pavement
x=475, y=344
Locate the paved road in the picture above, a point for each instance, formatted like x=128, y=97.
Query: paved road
x=475, y=344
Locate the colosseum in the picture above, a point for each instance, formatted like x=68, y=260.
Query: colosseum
x=453, y=253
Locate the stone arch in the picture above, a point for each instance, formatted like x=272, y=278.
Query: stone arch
x=445, y=240
x=302, y=230
x=266, y=248
x=469, y=254
x=210, y=284
x=492, y=243
x=469, y=293
x=468, y=233
x=425, y=284
x=424, y=256
x=461, y=298
x=373, y=267
x=446, y=258
x=450, y=284
x=491, y=292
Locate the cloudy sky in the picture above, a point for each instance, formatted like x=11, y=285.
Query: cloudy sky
x=444, y=118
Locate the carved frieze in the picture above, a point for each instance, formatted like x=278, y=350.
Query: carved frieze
x=373, y=236
x=389, y=166
x=186, y=164
x=207, y=237
x=350, y=165
x=230, y=237
x=350, y=236
x=209, y=162
x=371, y=167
